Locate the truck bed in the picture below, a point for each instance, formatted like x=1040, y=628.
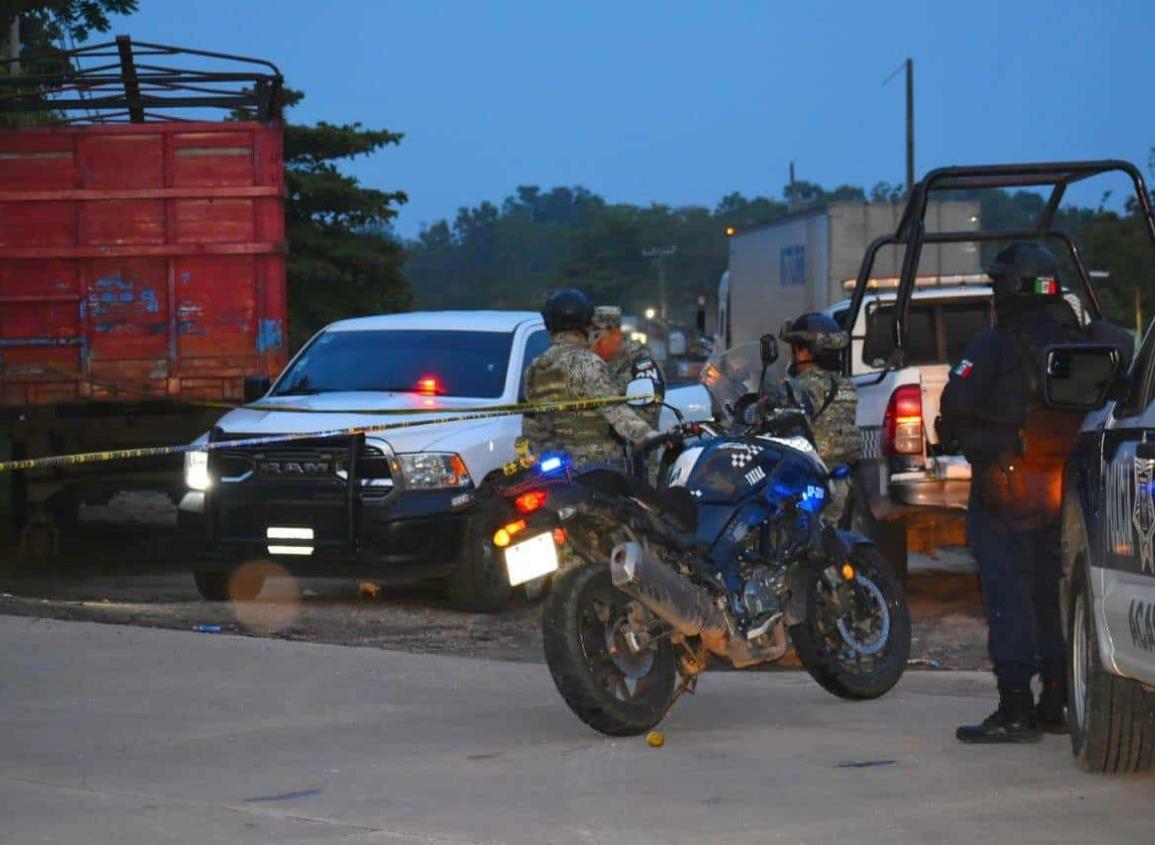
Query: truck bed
x=141, y=261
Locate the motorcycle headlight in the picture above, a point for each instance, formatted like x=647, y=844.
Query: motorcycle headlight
x=434, y=470
x=196, y=470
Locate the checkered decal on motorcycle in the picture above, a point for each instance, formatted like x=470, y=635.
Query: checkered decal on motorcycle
x=744, y=453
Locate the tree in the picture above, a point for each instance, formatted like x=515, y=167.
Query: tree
x=45, y=29
x=343, y=259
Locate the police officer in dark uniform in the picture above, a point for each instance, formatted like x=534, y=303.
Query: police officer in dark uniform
x=1016, y=447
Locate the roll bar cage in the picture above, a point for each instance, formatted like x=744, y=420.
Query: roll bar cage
x=124, y=81
x=912, y=233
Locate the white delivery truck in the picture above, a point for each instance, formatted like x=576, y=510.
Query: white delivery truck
x=810, y=260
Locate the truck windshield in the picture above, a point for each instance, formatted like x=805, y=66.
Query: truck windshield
x=443, y=363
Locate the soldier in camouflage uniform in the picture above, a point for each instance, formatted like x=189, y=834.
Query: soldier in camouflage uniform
x=626, y=358
x=816, y=344
x=569, y=370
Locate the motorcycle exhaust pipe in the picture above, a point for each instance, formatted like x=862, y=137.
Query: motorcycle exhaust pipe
x=687, y=608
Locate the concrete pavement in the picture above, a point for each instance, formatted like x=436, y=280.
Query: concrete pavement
x=126, y=735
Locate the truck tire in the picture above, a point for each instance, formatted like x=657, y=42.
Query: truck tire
x=1112, y=718
x=479, y=584
x=888, y=537
x=224, y=585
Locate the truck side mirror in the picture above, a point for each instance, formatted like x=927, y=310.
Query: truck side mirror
x=256, y=387
x=768, y=349
x=1079, y=377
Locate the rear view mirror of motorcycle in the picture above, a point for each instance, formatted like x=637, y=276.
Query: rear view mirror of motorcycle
x=840, y=472
x=642, y=392
x=768, y=348
x=1079, y=377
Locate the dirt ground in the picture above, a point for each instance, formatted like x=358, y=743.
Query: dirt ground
x=139, y=582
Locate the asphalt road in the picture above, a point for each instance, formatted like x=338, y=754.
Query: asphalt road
x=126, y=734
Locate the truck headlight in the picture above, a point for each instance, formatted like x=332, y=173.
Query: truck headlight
x=196, y=470
x=434, y=470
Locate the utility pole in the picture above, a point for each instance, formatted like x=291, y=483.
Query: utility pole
x=909, y=125
x=14, y=44
x=793, y=191
x=908, y=66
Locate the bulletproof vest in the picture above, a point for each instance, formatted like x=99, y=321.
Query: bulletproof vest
x=835, y=400
x=548, y=380
x=1047, y=434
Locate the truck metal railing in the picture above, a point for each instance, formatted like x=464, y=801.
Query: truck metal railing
x=126, y=81
x=911, y=232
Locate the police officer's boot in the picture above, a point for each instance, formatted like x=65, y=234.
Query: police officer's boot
x=1051, y=710
x=1014, y=721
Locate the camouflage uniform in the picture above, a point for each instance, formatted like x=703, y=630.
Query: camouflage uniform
x=632, y=361
x=570, y=370
x=834, y=400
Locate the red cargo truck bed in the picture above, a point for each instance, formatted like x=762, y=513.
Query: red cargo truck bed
x=140, y=261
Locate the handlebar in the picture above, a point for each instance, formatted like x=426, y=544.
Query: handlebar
x=669, y=438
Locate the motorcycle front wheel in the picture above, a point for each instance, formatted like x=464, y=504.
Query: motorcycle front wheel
x=608, y=686
x=855, y=639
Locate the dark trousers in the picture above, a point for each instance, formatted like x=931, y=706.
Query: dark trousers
x=1020, y=568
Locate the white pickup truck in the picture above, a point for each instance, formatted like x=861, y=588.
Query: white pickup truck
x=914, y=491
x=414, y=512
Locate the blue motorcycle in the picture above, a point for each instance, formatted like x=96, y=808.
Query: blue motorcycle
x=728, y=556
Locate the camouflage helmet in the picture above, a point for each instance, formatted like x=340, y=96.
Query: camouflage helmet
x=606, y=319
x=821, y=335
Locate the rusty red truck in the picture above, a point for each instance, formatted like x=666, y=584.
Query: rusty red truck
x=142, y=271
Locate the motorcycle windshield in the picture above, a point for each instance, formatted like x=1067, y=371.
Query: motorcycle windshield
x=731, y=374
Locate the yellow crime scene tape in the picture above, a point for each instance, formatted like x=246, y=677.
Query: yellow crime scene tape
x=458, y=415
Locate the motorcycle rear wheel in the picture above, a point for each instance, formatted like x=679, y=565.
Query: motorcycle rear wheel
x=857, y=653
x=610, y=688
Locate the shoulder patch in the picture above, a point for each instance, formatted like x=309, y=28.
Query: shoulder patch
x=964, y=368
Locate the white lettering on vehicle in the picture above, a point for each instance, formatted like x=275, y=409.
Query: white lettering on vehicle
x=1118, y=493
x=1143, y=516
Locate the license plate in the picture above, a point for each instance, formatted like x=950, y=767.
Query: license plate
x=531, y=559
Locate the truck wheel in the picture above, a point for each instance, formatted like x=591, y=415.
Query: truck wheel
x=479, y=584
x=1112, y=718
x=888, y=537
x=229, y=584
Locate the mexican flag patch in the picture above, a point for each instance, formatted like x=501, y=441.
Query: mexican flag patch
x=1047, y=285
x=964, y=369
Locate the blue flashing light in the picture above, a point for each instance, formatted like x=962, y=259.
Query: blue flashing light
x=841, y=471
x=813, y=499
x=552, y=464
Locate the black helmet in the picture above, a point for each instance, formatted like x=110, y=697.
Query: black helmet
x=1024, y=269
x=821, y=335
x=568, y=310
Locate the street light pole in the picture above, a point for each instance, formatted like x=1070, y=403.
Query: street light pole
x=660, y=254
x=909, y=125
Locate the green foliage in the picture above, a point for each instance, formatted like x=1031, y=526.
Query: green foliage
x=43, y=23
x=513, y=254
x=46, y=28
x=343, y=259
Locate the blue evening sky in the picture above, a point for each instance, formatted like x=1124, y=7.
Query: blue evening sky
x=683, y=102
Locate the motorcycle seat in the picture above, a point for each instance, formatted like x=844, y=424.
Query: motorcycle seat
x=676, y=503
